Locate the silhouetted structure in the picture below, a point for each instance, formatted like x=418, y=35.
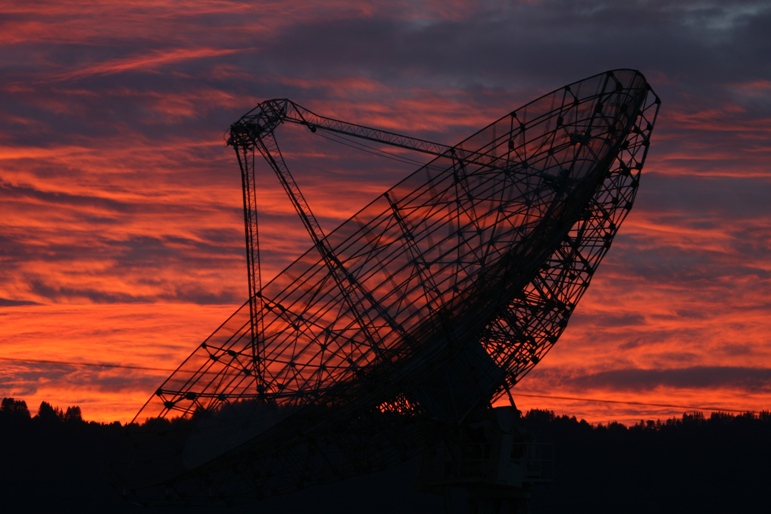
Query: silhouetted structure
x=413, y=316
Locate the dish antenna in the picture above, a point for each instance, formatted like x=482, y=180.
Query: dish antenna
x=401, y=328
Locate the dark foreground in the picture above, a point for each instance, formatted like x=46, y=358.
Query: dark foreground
x=56, y=462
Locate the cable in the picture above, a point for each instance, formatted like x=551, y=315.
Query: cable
x=515, y=393
x=369, y=149
x=627, y=402
x=88, y=364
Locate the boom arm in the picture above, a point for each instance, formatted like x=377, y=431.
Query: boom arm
x=313, y=121
x=256, y=131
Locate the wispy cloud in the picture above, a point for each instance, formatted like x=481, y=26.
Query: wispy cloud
x=143, y=63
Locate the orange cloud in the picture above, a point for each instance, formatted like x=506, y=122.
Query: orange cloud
x=143, y=335
x=144, y=62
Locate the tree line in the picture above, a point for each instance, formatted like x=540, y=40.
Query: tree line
x=54, y=460
x=12, y=410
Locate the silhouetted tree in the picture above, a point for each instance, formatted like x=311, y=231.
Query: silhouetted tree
x=48, y=414
x=73, y=415
x=14, y=409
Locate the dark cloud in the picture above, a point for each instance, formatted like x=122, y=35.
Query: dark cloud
x=752, y=380
x=6, y=302
x=27, y=379
x=195, y=293
x=532, y=43
x=58, y=293
x=609, y=320
x=57, y=199
x=709, y=200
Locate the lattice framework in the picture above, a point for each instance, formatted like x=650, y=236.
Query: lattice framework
x=434, y=299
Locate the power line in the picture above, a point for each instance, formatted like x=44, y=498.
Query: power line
x=629, y=402
x=526, y=395
x=87, y=364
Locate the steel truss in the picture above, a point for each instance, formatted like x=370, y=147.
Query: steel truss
x=433, y=300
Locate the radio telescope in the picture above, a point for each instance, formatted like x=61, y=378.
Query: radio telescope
x=425, y=307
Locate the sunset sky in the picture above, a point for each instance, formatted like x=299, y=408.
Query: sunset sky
x=121, y=235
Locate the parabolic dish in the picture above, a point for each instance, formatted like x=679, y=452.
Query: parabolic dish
x=440, y=295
